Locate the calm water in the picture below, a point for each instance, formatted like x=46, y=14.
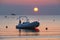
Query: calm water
x=52, y=22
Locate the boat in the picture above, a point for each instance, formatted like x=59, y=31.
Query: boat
x=28, y=25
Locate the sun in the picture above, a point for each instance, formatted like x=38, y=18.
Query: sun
x=36, y=9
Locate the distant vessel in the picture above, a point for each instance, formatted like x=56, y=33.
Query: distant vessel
x=13, y=14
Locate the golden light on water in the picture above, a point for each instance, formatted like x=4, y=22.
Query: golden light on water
x=36, y=9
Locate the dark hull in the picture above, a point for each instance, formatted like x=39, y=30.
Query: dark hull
x=28, y=25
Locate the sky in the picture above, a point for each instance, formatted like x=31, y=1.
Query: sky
x=25, y=7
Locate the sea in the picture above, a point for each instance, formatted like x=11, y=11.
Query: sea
x=49, y=28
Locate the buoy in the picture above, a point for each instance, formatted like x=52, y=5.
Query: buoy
x=46, y=28
x=5, y=16
x=6, y=26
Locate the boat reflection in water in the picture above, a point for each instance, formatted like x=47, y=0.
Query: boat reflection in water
x=27, y=26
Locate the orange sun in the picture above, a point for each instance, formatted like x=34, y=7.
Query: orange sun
x=36, y=9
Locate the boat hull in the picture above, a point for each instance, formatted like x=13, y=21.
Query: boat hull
x=27, y=25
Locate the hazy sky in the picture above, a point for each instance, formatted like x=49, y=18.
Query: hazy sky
x=25, y=7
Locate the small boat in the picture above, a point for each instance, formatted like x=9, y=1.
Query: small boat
x=13, y=14
x=28, y=25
